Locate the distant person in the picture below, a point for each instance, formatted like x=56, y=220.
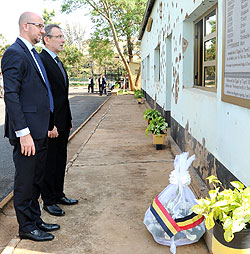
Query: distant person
x=91, y=85
x=1, y=85
x=29, y=107
x=53, y=184
x=102, y=84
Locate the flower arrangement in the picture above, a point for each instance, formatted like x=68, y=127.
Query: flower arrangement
x=228, y=207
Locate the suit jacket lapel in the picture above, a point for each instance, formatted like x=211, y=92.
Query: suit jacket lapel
x=27, y=52
x=56, y=68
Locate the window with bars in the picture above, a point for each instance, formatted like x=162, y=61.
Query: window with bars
x=205, y=51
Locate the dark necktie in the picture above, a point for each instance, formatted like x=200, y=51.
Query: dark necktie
x=39, y=61
x=59, y=63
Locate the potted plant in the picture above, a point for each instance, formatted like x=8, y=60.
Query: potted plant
x=150, y=114
x=139, y=95
x=158, y=128
x=228, y=212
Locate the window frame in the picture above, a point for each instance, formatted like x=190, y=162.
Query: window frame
x=148, y=67
x=157, y=64
x=199, y=54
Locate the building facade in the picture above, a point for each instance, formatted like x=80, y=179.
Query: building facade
x=194, y=70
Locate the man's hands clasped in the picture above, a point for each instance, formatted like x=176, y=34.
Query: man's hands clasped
x=53, y=133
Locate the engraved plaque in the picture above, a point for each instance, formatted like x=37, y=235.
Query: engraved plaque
x=236, y=55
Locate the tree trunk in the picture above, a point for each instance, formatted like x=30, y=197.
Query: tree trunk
x=137, y=78
x=121, y=54
x=130, y=48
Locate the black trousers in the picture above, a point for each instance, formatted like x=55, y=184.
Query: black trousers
x=27, y=184
x=100, y=89
x=53, y=183
x=91, y=87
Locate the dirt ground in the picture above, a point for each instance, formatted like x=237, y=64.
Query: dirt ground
x=115, y=172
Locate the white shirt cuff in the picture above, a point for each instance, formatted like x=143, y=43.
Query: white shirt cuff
x=22, y=132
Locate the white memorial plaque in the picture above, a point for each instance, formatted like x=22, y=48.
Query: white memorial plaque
x=237, y=50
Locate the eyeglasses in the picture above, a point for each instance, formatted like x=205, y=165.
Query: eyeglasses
x=41, y=26
x=56, y=36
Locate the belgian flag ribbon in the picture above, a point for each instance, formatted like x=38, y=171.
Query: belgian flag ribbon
x=169, y=225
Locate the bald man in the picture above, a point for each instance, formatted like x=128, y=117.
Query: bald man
x=29, y=110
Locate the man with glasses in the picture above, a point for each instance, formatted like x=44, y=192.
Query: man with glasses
x=29, y=111
x=52, y=191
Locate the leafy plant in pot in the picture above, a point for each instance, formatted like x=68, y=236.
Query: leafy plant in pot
x=150, y=114
x=228, y=212
x=139, y=95
x=158, y=128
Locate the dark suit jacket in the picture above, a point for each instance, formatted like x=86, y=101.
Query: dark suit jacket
x=62, y=114
x=26, y=95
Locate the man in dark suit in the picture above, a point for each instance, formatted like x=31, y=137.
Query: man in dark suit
x=102, y=85
x=52, y=191
x=29, y=107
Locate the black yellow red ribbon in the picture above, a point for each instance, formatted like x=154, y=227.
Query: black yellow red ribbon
x=173, y=226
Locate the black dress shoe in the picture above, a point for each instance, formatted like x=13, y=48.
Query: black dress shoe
x=36, y=235
x=67, y=201
x=46, y=227
x=54, y=210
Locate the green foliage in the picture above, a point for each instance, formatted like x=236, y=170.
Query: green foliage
x=48, y=17
x=73, y=60
x=157, y=126
x=119, y=19
x=38, y=48
x=122, y=91
x=3, y=47
x=127, y=18
x=138, y=94
x=229, y=207
x=150, y=114
x=101, y=50
x=74, y=35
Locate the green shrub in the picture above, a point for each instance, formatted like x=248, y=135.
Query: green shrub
x=157, y=126
x=229, y=207
x=150, y=114
x=138, y=94
x=120, y=91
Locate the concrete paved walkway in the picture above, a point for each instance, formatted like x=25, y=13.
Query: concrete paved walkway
x=115, y=174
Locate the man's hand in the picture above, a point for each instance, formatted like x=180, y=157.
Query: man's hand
x=27, y=145
x=53, y=133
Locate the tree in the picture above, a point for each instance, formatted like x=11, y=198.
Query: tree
x=101, y=50
x=120, y=15
x=73, y=60
x=74, y=35
x=72, y=54
x=48, y=16
x=3, y=46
